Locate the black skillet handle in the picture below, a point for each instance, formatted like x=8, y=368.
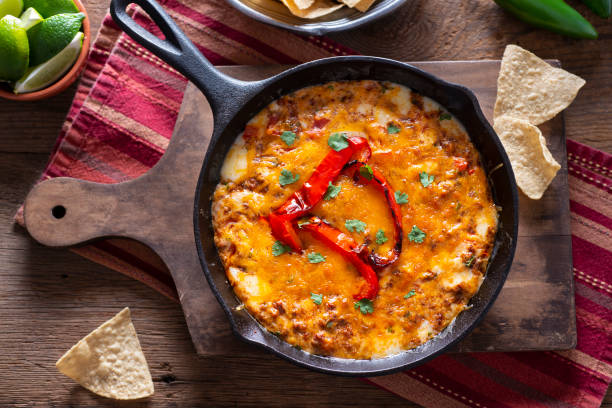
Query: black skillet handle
x=178, y=51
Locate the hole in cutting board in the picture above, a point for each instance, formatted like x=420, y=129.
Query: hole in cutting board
x=58, y=211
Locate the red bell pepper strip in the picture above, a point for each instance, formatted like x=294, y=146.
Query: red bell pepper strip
x=384, y=187
x=312, y=191
x=349, y=249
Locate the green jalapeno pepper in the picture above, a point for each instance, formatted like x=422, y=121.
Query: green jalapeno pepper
x=554, y=15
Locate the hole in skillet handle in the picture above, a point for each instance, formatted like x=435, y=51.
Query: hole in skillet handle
x=58, y=212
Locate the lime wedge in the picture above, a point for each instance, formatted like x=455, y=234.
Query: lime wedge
x=12, y=7
x=30, y=18
x=50, y=36
x=14, y=49
x=48, y=8
x=43, y=75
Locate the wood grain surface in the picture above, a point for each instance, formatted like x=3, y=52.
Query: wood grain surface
x=51, y=298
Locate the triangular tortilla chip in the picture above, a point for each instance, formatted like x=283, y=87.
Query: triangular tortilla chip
x=533, y=165
x=303, y=4
x=109, y=361
x=364, y=5
x=318, y=9
x=530, y=89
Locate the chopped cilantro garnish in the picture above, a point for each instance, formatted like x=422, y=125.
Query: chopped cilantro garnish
x=315, y=257
x=380, y=237
x=288, y=137
x=355, y=225
x=329, y=324
x=407, y=314
x=332, y=191
x=409, y=294
x=445, y=116
x=389, y=329
x=278, y=248
x=286, y=177
x=366, y=172
x=458, y=206
x=426, y=179
x=401, y=198
x=416, y=235
x=337, y=141
x=316, y=298
x=470, y=261
x=365, y=306
x=330, y=87
x=392, y=129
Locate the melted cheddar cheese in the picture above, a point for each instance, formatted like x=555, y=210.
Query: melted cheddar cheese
x=432, y=281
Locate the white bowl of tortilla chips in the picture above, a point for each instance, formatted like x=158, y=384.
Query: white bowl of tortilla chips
x=316, y=17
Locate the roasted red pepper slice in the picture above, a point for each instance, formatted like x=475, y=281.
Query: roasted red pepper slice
x=349, y=249
x=312, y=191
x=379, y=181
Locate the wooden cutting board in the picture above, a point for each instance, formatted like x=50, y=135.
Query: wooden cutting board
x=535, y=310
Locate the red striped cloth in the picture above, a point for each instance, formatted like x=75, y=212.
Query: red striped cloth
x=121, y=121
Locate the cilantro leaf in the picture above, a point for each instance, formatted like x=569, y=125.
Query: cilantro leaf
x=416, y=235
x=445, y=116
x=409, y=294
x=316, y=298
x=355, y=225
x=332, y=191
x=315, y=257
x=365, y=306
x=366, y=172
x=288, y=137
x=392, y=129
x=286, y=177
x=337, y=141
x=470, y=261
x=426, y=179
x=401, y=198
x=380, y=237
x=278, y=248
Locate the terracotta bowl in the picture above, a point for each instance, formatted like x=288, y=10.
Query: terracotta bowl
x=64, y=82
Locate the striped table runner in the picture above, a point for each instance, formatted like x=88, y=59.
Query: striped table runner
x=121, y=121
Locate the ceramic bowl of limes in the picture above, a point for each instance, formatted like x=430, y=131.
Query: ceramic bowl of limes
x=43, y=47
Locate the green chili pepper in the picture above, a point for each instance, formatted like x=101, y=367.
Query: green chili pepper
x=603, y=8
x=554, y=15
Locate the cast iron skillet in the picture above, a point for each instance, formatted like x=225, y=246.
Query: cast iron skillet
x=234, y=102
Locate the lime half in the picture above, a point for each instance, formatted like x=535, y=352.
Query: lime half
x=30, y=18
x=12, y=7
x=43, y=75
x=48, y=8
x=14, y=49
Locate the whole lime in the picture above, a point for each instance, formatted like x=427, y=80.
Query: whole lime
x=50, y=36
x=14, y=49
x=48, y=8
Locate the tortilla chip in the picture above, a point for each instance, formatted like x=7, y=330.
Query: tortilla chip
x=303, y=4
x=533, y=165
x=364, y=5
x=109, y=361
x=351, y=3
x=530, y=89
x=318, y=8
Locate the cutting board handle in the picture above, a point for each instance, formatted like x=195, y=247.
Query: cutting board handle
x=66, y=211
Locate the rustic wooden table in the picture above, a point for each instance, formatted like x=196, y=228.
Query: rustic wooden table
x=50, y=298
